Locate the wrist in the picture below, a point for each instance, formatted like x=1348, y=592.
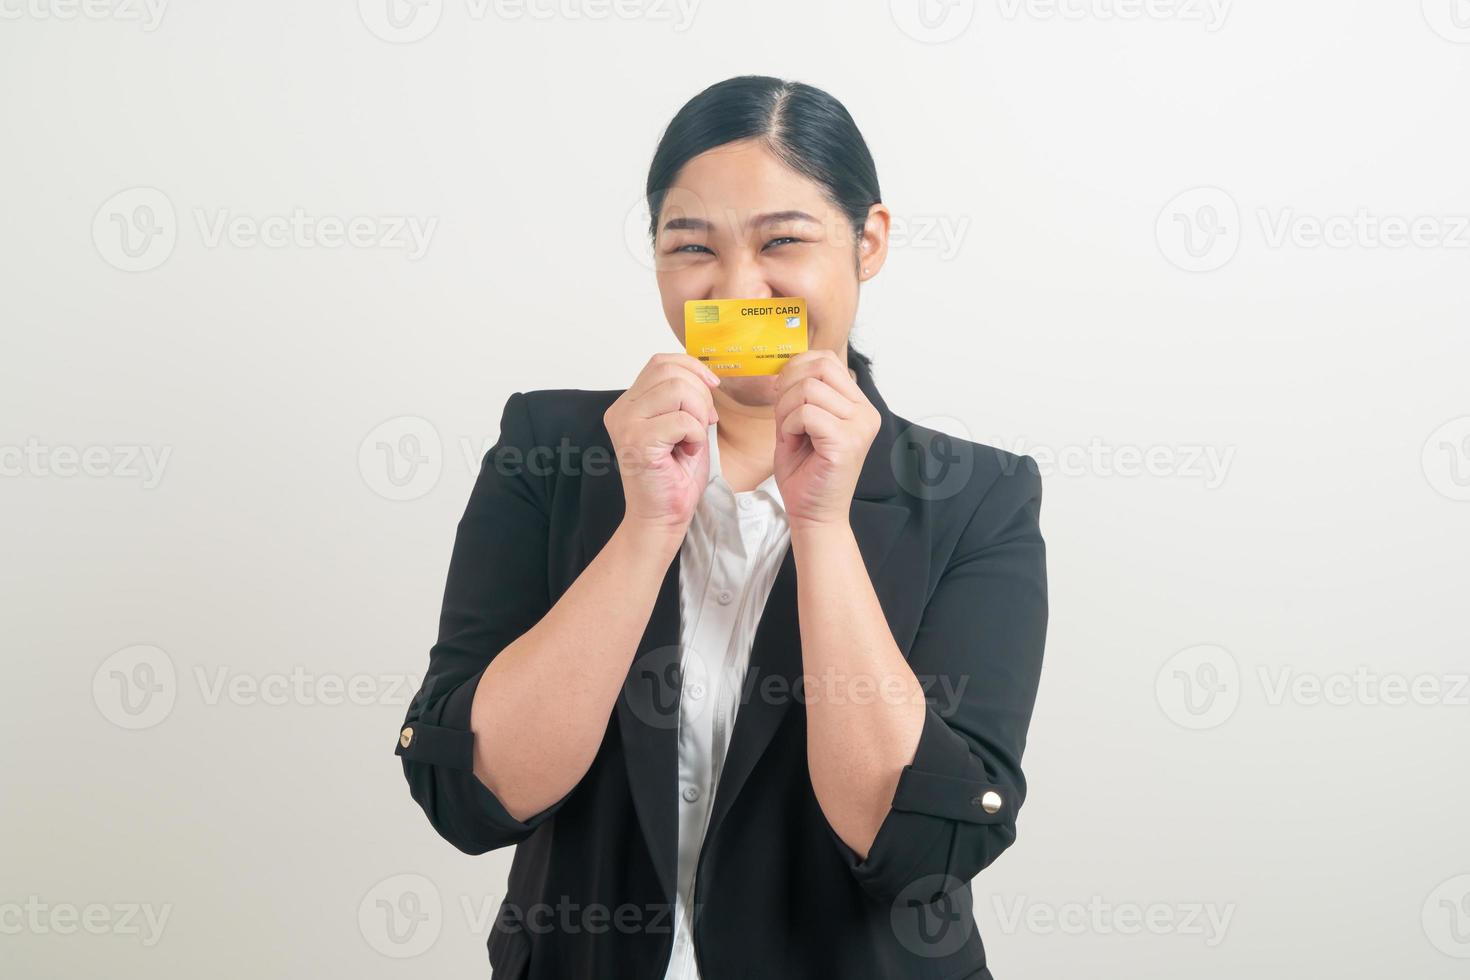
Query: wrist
x=645, y=537
x=815, y=532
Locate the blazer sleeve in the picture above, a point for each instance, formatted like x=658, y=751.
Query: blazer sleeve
x=496, y=591
x=982, y=633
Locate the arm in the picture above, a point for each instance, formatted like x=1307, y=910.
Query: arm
x=541, y=707
x=518, y=692
x=928, y=794
x=865, y=708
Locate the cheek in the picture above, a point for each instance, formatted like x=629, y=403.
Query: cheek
x=671, y=297
x=830, y=324
x=831, y=296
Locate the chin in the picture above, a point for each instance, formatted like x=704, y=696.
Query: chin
x=758, y=390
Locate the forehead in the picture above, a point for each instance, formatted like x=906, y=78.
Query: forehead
x=739, y=179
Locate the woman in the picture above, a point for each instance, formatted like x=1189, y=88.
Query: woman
x=752, y=701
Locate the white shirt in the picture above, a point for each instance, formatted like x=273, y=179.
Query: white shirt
x=727, y=565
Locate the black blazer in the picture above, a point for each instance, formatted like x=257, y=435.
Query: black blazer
x=949, y=532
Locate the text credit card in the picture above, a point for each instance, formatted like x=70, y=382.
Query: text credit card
x=741, y=337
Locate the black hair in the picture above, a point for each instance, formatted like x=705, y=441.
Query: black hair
x=806, y=128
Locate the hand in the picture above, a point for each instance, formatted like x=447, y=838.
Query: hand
x=824, y=426
x=659, y=430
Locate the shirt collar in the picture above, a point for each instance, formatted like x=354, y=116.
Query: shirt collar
x=766, y=486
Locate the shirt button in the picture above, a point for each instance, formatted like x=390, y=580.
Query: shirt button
x=696, y=691
x=746, y=503
x=724, y=595
x=691, y=793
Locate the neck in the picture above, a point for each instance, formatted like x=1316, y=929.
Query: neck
x=747, y=435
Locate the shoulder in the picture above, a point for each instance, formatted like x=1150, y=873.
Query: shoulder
x=965, y=484
x=547, y=415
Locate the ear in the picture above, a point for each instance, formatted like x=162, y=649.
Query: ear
x=873, y=242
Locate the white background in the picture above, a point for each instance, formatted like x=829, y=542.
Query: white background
x=1046, y=161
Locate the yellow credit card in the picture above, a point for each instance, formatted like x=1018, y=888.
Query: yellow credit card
x=741, y=337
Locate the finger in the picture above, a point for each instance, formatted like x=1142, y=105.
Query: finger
x=664, y=365
x=656, y=373
x=667, y=431
x=813, y=421
x=820, y=364
x=676, y=392
x=813, y=390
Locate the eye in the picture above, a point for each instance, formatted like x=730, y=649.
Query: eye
x=783, y=238
x=685, y=248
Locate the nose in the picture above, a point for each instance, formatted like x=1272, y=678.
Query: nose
x=741, y=277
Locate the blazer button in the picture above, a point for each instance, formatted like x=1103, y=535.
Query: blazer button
x=990, y=802
x=405, y=737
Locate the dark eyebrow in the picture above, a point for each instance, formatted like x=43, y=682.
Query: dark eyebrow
x=769, y=218
x=776, y=217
